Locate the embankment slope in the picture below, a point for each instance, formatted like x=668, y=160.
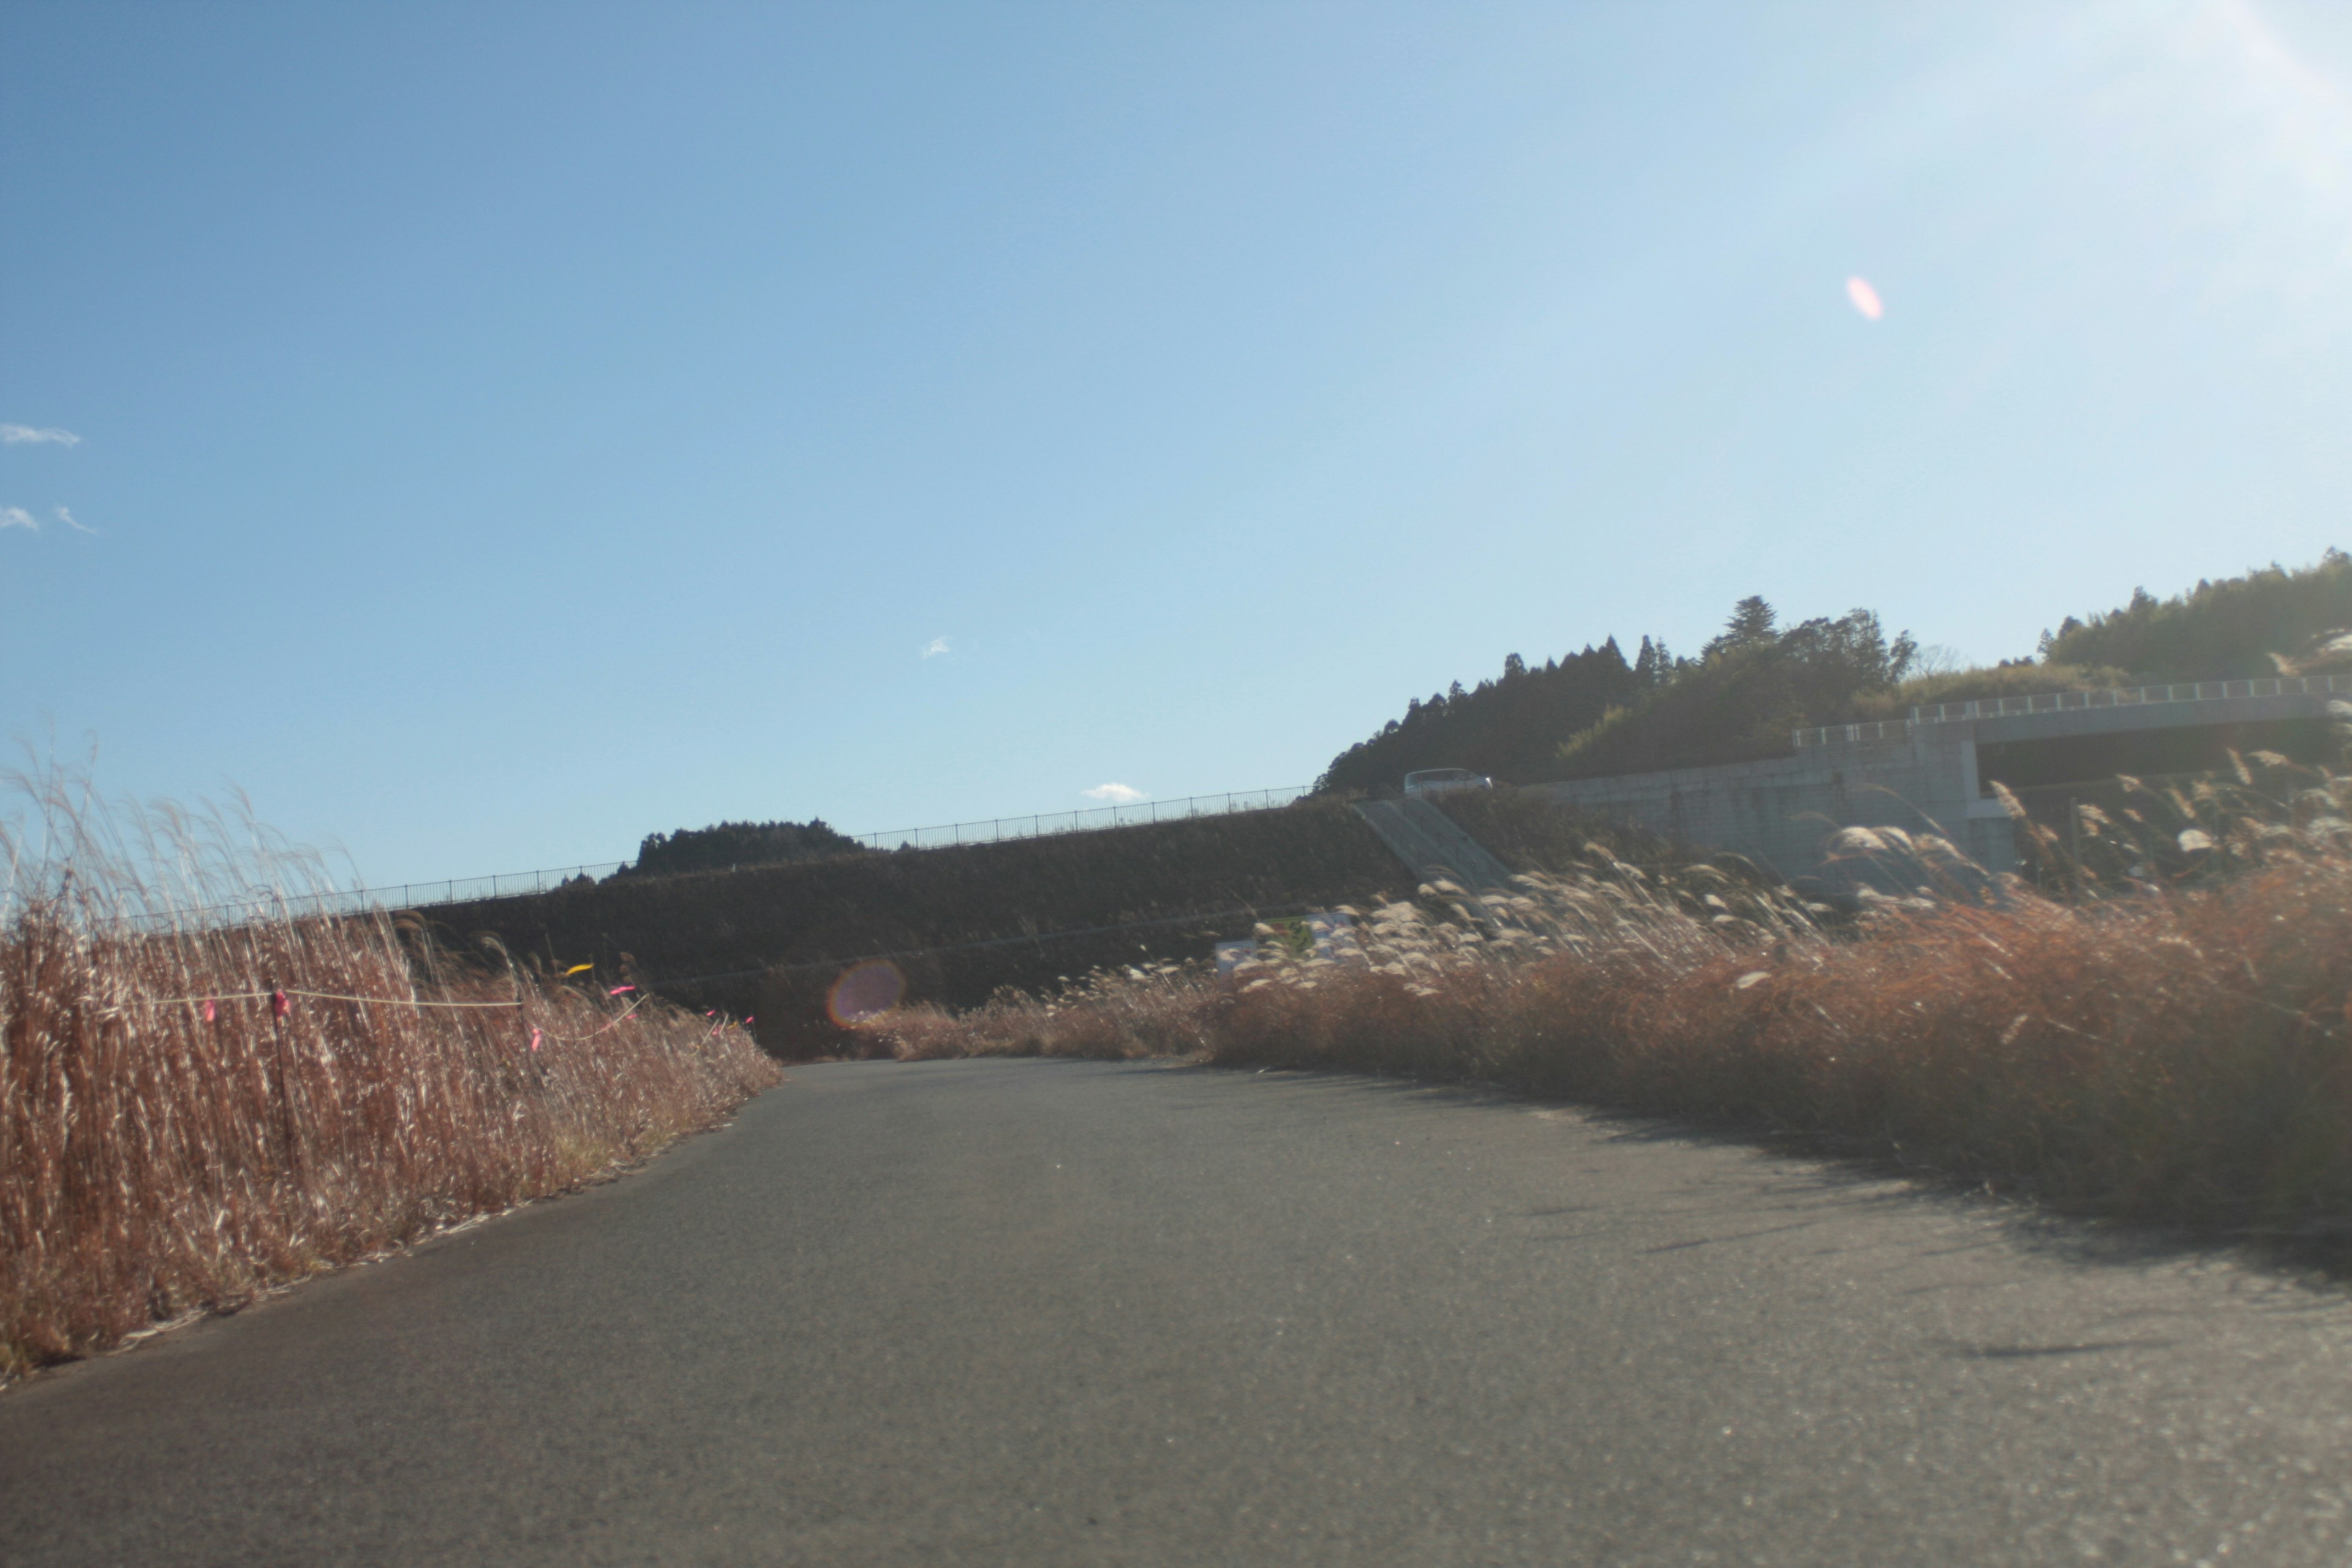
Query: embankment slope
x=768, y=940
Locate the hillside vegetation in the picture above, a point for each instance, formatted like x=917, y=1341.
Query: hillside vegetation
x=1743, y=695
x=2236, y=629
x=727, y=845
x=1510, y=727
x=769, y=941
x=1594, y=714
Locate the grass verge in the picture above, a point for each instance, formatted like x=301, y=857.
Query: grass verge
x=2174, y=1046
x=192, y=1114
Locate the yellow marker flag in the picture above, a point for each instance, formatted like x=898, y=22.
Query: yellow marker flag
x=576, y=969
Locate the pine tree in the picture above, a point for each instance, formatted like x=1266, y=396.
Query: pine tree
x=1752, y=625
x=1654, y=666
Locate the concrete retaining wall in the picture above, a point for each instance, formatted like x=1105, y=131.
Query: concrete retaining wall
x=1780, y=811
x=1919, y=774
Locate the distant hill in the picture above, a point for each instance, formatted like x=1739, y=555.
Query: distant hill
x=732, y=844
x=1593, y=714
x=2236, y=629
x=1026, y=912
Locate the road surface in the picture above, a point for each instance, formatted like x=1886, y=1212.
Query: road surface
x=1038, y=1314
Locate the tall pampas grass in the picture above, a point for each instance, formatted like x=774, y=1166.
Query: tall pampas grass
x=2160, y=1029
x=196, y=1107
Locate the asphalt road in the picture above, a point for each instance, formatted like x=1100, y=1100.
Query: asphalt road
x=1036, y=1313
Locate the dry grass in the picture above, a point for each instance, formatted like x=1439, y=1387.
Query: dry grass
x=2178, y=1049
x=155, y=1162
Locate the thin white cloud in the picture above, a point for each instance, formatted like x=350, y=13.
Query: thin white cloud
x=1116, y=794
x=17, y=516
x=22, y=435
x=936, y=646
x=67, y=519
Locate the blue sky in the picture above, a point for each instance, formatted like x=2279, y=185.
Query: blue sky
x=499, y=432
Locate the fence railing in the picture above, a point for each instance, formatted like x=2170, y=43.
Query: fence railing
x=521, y=884
x=1126, y=814
x=2185, y=691
x=1878, y=730
x=268, y=902
x=2075, y=701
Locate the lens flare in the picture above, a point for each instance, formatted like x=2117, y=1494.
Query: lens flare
x=865, y=991
x=1865, y=298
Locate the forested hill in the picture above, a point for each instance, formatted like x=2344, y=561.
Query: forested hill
x=1593, y=713
x=1509, y=727
x=733, y=844
x=2236, y=629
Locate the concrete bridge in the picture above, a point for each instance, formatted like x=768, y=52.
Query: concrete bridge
x=1934, y=771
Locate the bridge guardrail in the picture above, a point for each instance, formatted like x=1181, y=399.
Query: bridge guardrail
x=2075, y=701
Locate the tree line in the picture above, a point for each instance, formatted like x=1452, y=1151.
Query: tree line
x=727, y=845
x=1594, y=713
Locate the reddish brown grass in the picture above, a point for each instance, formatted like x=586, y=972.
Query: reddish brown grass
x=2182, y=1051
x=153, y=1162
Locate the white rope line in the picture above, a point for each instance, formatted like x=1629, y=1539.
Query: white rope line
x=312, y=996
x=289, y=992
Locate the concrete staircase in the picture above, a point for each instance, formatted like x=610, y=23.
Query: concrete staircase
x=1433, y=845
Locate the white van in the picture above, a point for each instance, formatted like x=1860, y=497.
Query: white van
x=1438, y=780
